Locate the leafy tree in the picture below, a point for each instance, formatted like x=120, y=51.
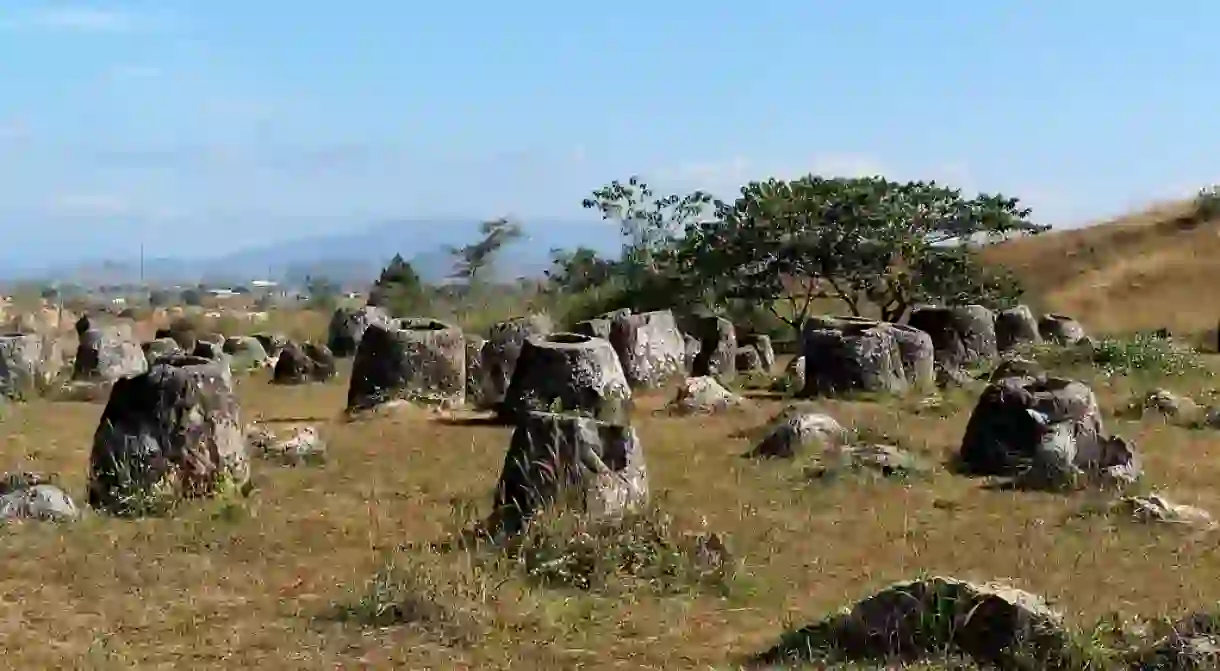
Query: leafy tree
x=473, y=261
x=579, y=270
x=398, y=287
x=865, y=241
x=650, y=224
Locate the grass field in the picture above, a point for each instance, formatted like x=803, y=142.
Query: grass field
x=264, y=581
x=344, y=564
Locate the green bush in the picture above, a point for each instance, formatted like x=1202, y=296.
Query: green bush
x=1142, y=354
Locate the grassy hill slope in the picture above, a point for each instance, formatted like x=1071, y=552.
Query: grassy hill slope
x=1156, y=268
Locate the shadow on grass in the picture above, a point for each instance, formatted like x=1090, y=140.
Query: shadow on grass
x=293, y=420
x=472, y=421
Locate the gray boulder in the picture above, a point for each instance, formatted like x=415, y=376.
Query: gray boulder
x=476, y=376
x=748, y=360
x=293, y=446
x=761, y=343
x=703, y=395
x=347, y=327
x=245, y=352
x=883, y=460
x=717, y=355
x=108, y=353
x=1016, y=326
x=995, y=624
x=915, y=351
x=418, y=360
x=21, y=361
x=303, y=363
x=273, y=343
x=650, y=348
x=799, y=428
x=176, y=428
x=568, y=372
x=917, y=354
x=961, y=335
x=1157, y=508
x=1172, y=406
x=28, y=496
x=210, y=350
x=1060, y=329
x=155, y=349
x=691, y=346
x=855, y=357
x=503, y=346
x=1046, y=431
x=598, y=466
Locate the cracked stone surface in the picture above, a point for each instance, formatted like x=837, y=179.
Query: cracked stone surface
x=554, y=458
x=650, y=348
x=568, y=372
x=416, y=359
x=179, y=422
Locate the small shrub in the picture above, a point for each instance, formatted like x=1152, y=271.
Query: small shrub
x=410, y=591
x=644, y=550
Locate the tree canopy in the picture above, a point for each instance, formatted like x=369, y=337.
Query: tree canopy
x=473, y=261
x=866, y=241
x=398, y=288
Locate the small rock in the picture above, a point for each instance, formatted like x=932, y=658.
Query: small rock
x=797, y=428
x=36, y=500
x=996, y=624
x=301, y=445
x=1169, y=404
x=886, y=460
x=703, y=395
x=1156, y=508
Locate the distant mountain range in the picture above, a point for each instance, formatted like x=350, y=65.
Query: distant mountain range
x=346, y=257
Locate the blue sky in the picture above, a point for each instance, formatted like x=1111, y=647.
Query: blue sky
x=202, y=126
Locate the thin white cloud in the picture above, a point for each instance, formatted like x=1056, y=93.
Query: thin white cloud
x=76, y=19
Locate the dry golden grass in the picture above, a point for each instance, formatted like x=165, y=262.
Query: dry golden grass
x=1147, y=270
x=255, y=582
